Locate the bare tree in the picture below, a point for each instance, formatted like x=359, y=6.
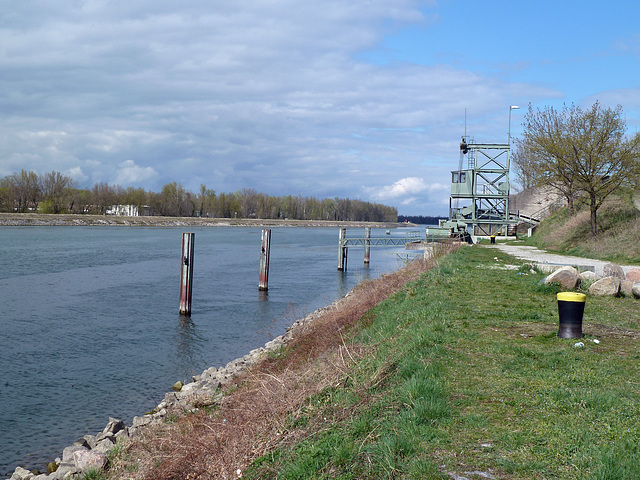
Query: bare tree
x=575, y=150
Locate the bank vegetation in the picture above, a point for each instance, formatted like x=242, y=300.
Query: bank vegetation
x=449, y=368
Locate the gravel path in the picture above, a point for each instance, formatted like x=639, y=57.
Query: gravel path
x=543, y=258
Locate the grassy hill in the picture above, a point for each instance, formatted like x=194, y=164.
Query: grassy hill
x=618, y=239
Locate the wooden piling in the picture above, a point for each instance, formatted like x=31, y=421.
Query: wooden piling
x=263, y=283
x=342, y=250
x=186, y=273
x=367, y=245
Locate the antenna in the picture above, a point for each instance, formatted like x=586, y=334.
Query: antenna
x=465, y=123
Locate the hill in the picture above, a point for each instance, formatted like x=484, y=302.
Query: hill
x=618, y=238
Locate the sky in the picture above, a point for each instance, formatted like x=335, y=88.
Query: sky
x=361, y=99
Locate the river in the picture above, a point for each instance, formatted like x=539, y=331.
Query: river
x=90, y=326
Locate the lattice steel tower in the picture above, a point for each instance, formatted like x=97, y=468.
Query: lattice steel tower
x=480, y=193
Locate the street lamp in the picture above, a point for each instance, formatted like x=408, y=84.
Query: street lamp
x=512, y=107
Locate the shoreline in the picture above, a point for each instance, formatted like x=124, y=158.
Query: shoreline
x=77, y=220
x=204, y=390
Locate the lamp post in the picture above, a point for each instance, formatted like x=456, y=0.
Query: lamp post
x=512, y=107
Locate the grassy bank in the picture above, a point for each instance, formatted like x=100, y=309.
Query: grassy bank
x=460, y=371
x=618, y=238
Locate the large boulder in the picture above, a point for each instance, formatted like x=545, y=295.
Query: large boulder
x=567, y=277
x=89, y=460
x=613, y=270
x=607, y=286
x=635, y=290
x=633, y=275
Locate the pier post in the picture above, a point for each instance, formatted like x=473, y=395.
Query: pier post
x=342, y=250
x=263, y=284
x=186, y=273
x=367, y=244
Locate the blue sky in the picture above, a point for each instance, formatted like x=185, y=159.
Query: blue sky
x=361, y=99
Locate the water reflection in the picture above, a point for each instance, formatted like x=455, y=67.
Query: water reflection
x=189, y=347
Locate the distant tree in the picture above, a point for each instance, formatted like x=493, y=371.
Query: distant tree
x=56, y=191
x=7, y=195
x=26, y=189
x=578, y=150
x=175, y=201
x=103, y=196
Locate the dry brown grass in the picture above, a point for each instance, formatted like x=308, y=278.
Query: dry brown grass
x=253, y=416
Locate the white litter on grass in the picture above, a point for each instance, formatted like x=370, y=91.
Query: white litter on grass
x=579, y=345
x=595, y=340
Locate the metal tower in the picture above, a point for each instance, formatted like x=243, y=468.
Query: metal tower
x=480, y=193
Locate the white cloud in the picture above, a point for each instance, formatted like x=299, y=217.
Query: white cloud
x=131, y=174
x=77, y=174
x=271, y=96
x=402, y=188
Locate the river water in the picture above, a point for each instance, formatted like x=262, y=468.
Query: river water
x=90, y=327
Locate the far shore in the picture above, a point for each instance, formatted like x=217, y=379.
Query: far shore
x=77, y=220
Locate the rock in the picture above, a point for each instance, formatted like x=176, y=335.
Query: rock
x=90, y=441
x=83, y=442
x=114, y=426
x=607, y=286
x=567, y=277
x=105, y=435
x=140, y=421
x=64, y=470
x=177, y=387
x=635, y=290
x=67, y=453
x=589, y=276
x=625, y=287
x=633, y=275
x=104, y=446
x=21, y=474
x=613, y=270
x=52, y=467
x=89, y=460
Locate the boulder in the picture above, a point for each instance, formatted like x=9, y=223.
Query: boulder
x=103, y=446
x=635, y=290
x=633, y=275
x=141, y=421
x=89, y=441
x=114, y=426
x=67, y=453
x=567, y=277
x=625, y=287
x=64, y=470
x=89, y=460
x=21, y=474
x=607, y=286
x=589, y=276
x=613, y=270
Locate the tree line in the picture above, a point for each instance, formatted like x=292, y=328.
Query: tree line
x=581, y=153
x=54, y=192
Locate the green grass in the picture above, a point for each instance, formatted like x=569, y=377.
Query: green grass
x=618, y=238
x=466, y=373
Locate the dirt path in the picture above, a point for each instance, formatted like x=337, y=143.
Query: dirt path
x=543, y=258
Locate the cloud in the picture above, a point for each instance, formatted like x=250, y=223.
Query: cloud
x=131, y=174
x=274, y=96
x=402, y=188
